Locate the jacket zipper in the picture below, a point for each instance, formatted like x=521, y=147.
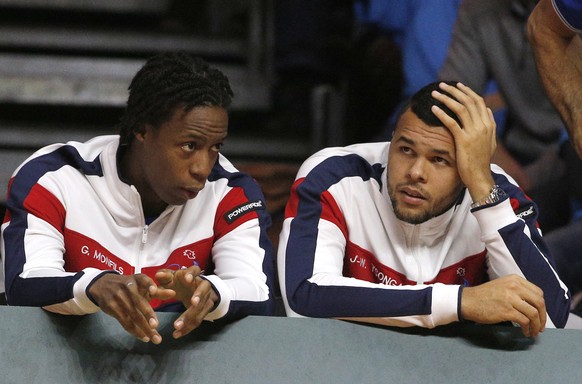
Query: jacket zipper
x=413, y=245
x=144, y=239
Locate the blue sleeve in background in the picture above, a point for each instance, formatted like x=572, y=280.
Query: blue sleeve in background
x=570, y=11
x=388, y=15
x=422, y=29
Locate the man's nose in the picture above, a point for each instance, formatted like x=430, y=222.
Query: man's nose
x=201, y=166
x=417, y=170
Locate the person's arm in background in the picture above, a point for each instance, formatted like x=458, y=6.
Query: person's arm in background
x=465, y=60
x=503, y=158
x=558, y=53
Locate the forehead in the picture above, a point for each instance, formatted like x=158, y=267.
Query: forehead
x=198, y=120
x=410, y=127
x=210, y=115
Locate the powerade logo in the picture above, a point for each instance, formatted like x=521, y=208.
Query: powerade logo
x=525, y=212
x=243, y=209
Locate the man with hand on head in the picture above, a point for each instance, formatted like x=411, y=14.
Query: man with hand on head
x=128, y=223
x=420, y=231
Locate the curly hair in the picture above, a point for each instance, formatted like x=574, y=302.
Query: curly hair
x=167, y=81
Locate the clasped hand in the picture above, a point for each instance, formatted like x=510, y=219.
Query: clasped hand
x=195, y=292
x=508, y=298
x=127, y=298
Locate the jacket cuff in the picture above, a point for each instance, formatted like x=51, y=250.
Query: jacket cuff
x=445, y=303
x=222, y=290
x=492, y=218
x=81, y=289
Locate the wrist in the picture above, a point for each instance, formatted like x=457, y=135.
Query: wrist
x=495, y=195
x=459, y=308
x=214, y=294
x=90, y=290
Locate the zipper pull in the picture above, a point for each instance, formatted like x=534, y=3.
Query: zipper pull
x=144, y=235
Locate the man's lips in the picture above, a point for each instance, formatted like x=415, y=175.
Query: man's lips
x=412, y=196
x=191, y=192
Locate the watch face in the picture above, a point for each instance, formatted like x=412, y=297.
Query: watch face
x=496, y=194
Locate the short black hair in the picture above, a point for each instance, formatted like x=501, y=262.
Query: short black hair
x=167, y=81
x=421, y=102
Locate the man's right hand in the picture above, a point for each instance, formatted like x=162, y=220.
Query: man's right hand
x=126, y=298
x=508, y=298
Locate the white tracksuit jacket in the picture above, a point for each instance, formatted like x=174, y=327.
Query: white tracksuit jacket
x=343, y=253
x=70, y=217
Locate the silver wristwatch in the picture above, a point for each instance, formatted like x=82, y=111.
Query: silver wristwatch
x=494, y=196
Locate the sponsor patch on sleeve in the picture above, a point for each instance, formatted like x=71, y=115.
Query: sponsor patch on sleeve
x=242, y=210
x=525, y=212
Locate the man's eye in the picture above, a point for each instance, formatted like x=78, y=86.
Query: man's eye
x=440, y=160
x=217, y=147
x=189, y=146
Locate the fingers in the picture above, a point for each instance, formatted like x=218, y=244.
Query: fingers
x=531, y=308
x=444, y=117
x=167, y=277
x=135, y=315
x=164, y=277
x=195, y=293
x=126, y=298
x=527, y=317
x=509, y=298
x=161, y=293
x=186, y=276
x=494, y=132
x=528, y=304
x=181, y=282
x=140, y=318
x=469, y=107
x=202, y=302
x=474, y=137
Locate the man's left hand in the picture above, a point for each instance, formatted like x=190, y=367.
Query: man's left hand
x=195, y=292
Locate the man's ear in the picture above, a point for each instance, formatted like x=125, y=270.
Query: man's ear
x=140, y=134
